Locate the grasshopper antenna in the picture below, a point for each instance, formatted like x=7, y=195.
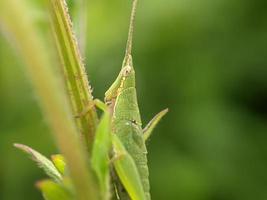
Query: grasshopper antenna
x=131, y=30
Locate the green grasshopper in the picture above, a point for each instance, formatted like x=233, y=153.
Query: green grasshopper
x=126, y=125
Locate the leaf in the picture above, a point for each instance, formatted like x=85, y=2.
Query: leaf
x=42, y=162
x=127, y=170
x=100, y=154
x=59, y=162
x=54, y=191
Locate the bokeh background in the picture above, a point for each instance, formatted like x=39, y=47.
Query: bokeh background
x=204, y=60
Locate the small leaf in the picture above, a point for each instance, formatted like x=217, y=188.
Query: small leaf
x=54, y=191
x=59, y=162
x=100, y=153
x=42, y=162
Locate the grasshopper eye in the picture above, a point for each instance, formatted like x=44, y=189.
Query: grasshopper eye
x=127, y=70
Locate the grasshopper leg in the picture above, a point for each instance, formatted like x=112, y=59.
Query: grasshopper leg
x=127, y=171
x=96, y=102
x=153, y=123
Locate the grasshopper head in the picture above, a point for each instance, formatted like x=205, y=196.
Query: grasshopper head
x=125, y=79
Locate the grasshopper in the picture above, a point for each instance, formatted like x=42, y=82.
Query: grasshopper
x=128, y=137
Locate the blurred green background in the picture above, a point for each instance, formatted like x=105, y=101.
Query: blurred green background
x=204, y=60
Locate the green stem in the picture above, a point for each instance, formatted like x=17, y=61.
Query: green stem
x=76, y=78
x=18, y=24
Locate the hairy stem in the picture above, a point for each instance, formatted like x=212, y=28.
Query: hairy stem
x=75, y=75
x=17, y=23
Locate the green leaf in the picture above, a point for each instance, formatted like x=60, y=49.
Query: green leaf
x=127, y=171
x=42, y=162
x=59, y=162
x=100, y=154
x=54, y=191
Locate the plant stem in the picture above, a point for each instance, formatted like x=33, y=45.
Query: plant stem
x=16, y=21
x=75, y=75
